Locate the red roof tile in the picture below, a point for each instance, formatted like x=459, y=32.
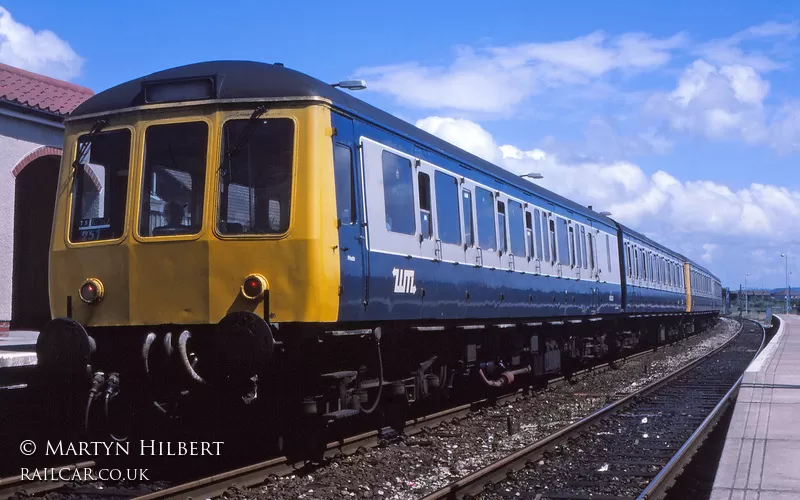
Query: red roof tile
x=40, y=92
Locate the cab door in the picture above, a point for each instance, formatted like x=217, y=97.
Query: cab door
x=353, y=293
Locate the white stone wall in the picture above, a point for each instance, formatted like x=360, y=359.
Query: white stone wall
x=18, y=138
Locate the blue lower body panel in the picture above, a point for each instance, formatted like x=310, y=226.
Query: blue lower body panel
x=641, y=300
x=415, y=289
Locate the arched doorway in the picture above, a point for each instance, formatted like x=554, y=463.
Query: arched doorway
x=34, y=204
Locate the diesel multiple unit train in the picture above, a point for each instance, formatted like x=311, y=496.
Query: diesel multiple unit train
x=243, y=231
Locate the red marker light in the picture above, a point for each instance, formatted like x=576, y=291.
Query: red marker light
x=91, y=291
x=254, y=287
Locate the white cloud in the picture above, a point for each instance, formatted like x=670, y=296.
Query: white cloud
x=499, y=78
x=706, y=220
x=724, y=94
x=465, y=134
x=750, y=47
x=41, y=52
x=718, y=102
x=709, y=248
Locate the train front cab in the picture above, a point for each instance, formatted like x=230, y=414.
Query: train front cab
x=180, y=234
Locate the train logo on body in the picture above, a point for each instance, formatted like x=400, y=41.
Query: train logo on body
x=404, y=281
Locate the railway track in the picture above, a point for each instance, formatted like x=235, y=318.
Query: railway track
x=632, y=448
x=257, y=473
x=32, y=484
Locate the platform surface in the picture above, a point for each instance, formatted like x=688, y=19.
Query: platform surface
x=18, y=348
x=761, y=457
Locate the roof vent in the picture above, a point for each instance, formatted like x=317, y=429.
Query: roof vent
x=278, y=64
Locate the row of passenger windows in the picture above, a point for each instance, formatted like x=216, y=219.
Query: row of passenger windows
x=499, y=225
x=701, y=283
x=647, y=266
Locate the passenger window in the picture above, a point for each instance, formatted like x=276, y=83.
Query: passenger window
x=398, y=193
x=572, y=245
x=538, y=220
x=563, y=242
x=656, y=272
x=630, y=266
x=343, y=177
x=637, y=263
x=447, y=208
x=583, y=247
x=529, y=235
x=608, y=253
x=516, y=229
x=425, y=222
x=173, y=186
x=466, y=214
x=553, y=240
x=591, y=251
x=487, y=237
x=548, y=238
x=501, y=225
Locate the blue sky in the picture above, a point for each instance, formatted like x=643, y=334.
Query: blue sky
x=682, y=118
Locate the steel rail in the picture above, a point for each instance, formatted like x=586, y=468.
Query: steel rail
x=251, y=475
x=667, y=475
x=255, y=474
x=33, y=483
x=497, y=471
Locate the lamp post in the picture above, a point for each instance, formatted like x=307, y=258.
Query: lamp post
x=786, y=258
x=745, y=293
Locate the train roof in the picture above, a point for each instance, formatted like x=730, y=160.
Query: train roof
x=628, y=231
x=247, y=80
x=683, y=258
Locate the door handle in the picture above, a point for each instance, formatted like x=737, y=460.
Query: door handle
x=344, y=249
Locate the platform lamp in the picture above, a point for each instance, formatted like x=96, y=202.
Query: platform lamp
x=351, y=84
x=786, y=257
x=745, y=293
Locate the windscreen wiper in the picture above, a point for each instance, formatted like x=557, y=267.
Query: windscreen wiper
x=247, y=131
x=84, y=147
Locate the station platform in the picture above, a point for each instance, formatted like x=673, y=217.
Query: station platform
x=18, y=348
x=761, y=456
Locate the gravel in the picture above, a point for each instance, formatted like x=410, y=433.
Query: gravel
x=432, y=459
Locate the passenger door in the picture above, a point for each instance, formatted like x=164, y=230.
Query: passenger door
x=354, y=263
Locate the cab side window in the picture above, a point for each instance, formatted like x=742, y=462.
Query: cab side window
x=343, y=175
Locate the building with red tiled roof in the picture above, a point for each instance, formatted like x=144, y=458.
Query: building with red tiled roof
x=32, y=110
x=40, y=93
